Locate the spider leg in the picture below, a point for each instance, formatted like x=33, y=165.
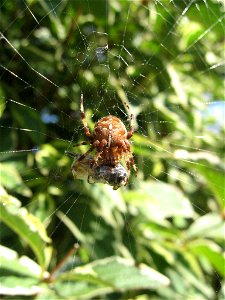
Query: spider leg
x=75, y=155
x=95, y=159
x=83, y=156
x=130, y=133
x=130, y=162
x=133, y=164
x=128, y=169
x=83, y=117
x=81, y=144
x=71, y=154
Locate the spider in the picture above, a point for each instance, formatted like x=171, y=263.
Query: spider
x=110, y=138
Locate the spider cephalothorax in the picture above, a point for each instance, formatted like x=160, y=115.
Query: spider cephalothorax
x=110, y=138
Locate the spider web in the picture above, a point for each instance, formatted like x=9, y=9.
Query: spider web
x=100, y=64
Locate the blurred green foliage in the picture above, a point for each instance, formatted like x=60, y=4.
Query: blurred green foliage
x=162, y=237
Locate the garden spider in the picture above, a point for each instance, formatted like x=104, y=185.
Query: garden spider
x=110, y=138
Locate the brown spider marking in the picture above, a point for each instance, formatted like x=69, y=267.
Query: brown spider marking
x=110, y=138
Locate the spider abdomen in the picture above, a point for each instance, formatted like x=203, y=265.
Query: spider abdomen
x=110, y=129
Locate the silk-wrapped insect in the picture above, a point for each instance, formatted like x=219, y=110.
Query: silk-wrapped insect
x=115, y=176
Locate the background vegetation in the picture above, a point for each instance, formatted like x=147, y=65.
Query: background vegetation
x=162, y=237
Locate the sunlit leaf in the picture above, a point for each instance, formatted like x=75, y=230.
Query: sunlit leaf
x=27, y=226
x=11, y=179
x=211, y=168
x=212, y=252
x=49, y=158
x=157, y=201
x=112, y=274
x=23, y=266
x=210, y=225
x=14, y=286
x=215, y=179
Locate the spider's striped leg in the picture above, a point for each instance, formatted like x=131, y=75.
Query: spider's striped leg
x=130, y=133
x=71, y=154
x=75, y=155
x=84, y=155
x=130, y=162
x=76, y=164
x=81, y=144
x=83, y=117
x=95, y=159
x=133, y=164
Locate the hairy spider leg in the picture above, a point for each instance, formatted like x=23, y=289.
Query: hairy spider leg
x=129, y=135
x=95, y=159
x=83, y=117
x=130, y=159
x=81, y=144
x=132, y=162
x=86, y=131
x=131, y=132
x=72, y=154
x=84, y=155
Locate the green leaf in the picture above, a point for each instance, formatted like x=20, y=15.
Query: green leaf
x=221, y=295
x=188, y=285
x=189, y=33
x=211, y=168
x=11, y=179
x=27, y=226
x=212, y=252
x=14, y=285
x=157, y=201
x=49, y=158
x=113, y=274
x=81, y=289
x=108, y=201
x=215, y=178
x=23, y=266
x=210, y=225
x=177, y=85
